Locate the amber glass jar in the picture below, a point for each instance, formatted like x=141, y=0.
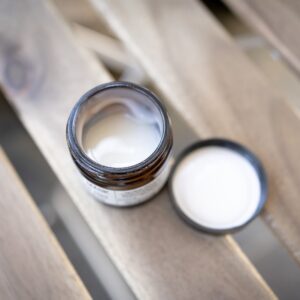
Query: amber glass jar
x=107, y=176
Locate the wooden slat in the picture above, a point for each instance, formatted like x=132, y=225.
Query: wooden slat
x=43, y=73
x=109, y=49
x=80, y=12
x=33, y=265
x=219, y=91
x=277, y=20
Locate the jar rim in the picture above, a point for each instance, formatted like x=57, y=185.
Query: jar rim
x=89, y=165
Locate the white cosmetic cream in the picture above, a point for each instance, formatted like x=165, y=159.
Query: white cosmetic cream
x=121, y=140
x=216, y=188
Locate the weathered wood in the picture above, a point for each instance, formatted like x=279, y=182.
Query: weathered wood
x=109, y=49
x=219, y=91
x=278, y=21
x=81, y=12
x=43, y=73
x=33, y=265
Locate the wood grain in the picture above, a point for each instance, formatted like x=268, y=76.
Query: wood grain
x=197, y=66
x=109, y=49
x=81, y=12
x=278, y=21
x=33, y=265
x=43, y=73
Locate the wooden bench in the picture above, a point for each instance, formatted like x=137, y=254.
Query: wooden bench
x=33, y=265
x=212, y=85
x=278, y=21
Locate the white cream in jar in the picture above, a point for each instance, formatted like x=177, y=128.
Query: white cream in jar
x=120, y=138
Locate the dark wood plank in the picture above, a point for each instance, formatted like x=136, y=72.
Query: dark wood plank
x=43, y=73
x=278, y=21
x=33, y=265
x=198, y=67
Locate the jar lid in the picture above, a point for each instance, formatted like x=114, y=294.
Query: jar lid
x=218, y=186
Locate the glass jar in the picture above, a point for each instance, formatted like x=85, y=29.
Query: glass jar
x=120, y=138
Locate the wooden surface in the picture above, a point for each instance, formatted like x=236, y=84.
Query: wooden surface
x=43, y=73
x=33, y=265
x=81, y=12
x=277, y=20
x=197, y=66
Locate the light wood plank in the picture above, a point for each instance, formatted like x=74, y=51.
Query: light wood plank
x=109, y=49
x=33, y=265
x=81, y=12
x=43, y=73
x=278, y=21
x=111, y=52
x=219, y=91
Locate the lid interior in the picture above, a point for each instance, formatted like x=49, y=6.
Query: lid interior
x=218, y=185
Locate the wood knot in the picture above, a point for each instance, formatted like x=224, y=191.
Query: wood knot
x=18, y=70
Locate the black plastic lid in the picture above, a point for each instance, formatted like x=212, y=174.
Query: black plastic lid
x=218, y=186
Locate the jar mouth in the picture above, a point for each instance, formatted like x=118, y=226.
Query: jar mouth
x=108, y=99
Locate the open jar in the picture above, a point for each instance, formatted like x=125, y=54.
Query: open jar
x=120, y=138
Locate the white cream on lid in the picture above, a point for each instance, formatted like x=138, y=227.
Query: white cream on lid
x=121, y=140
x=216, y=187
